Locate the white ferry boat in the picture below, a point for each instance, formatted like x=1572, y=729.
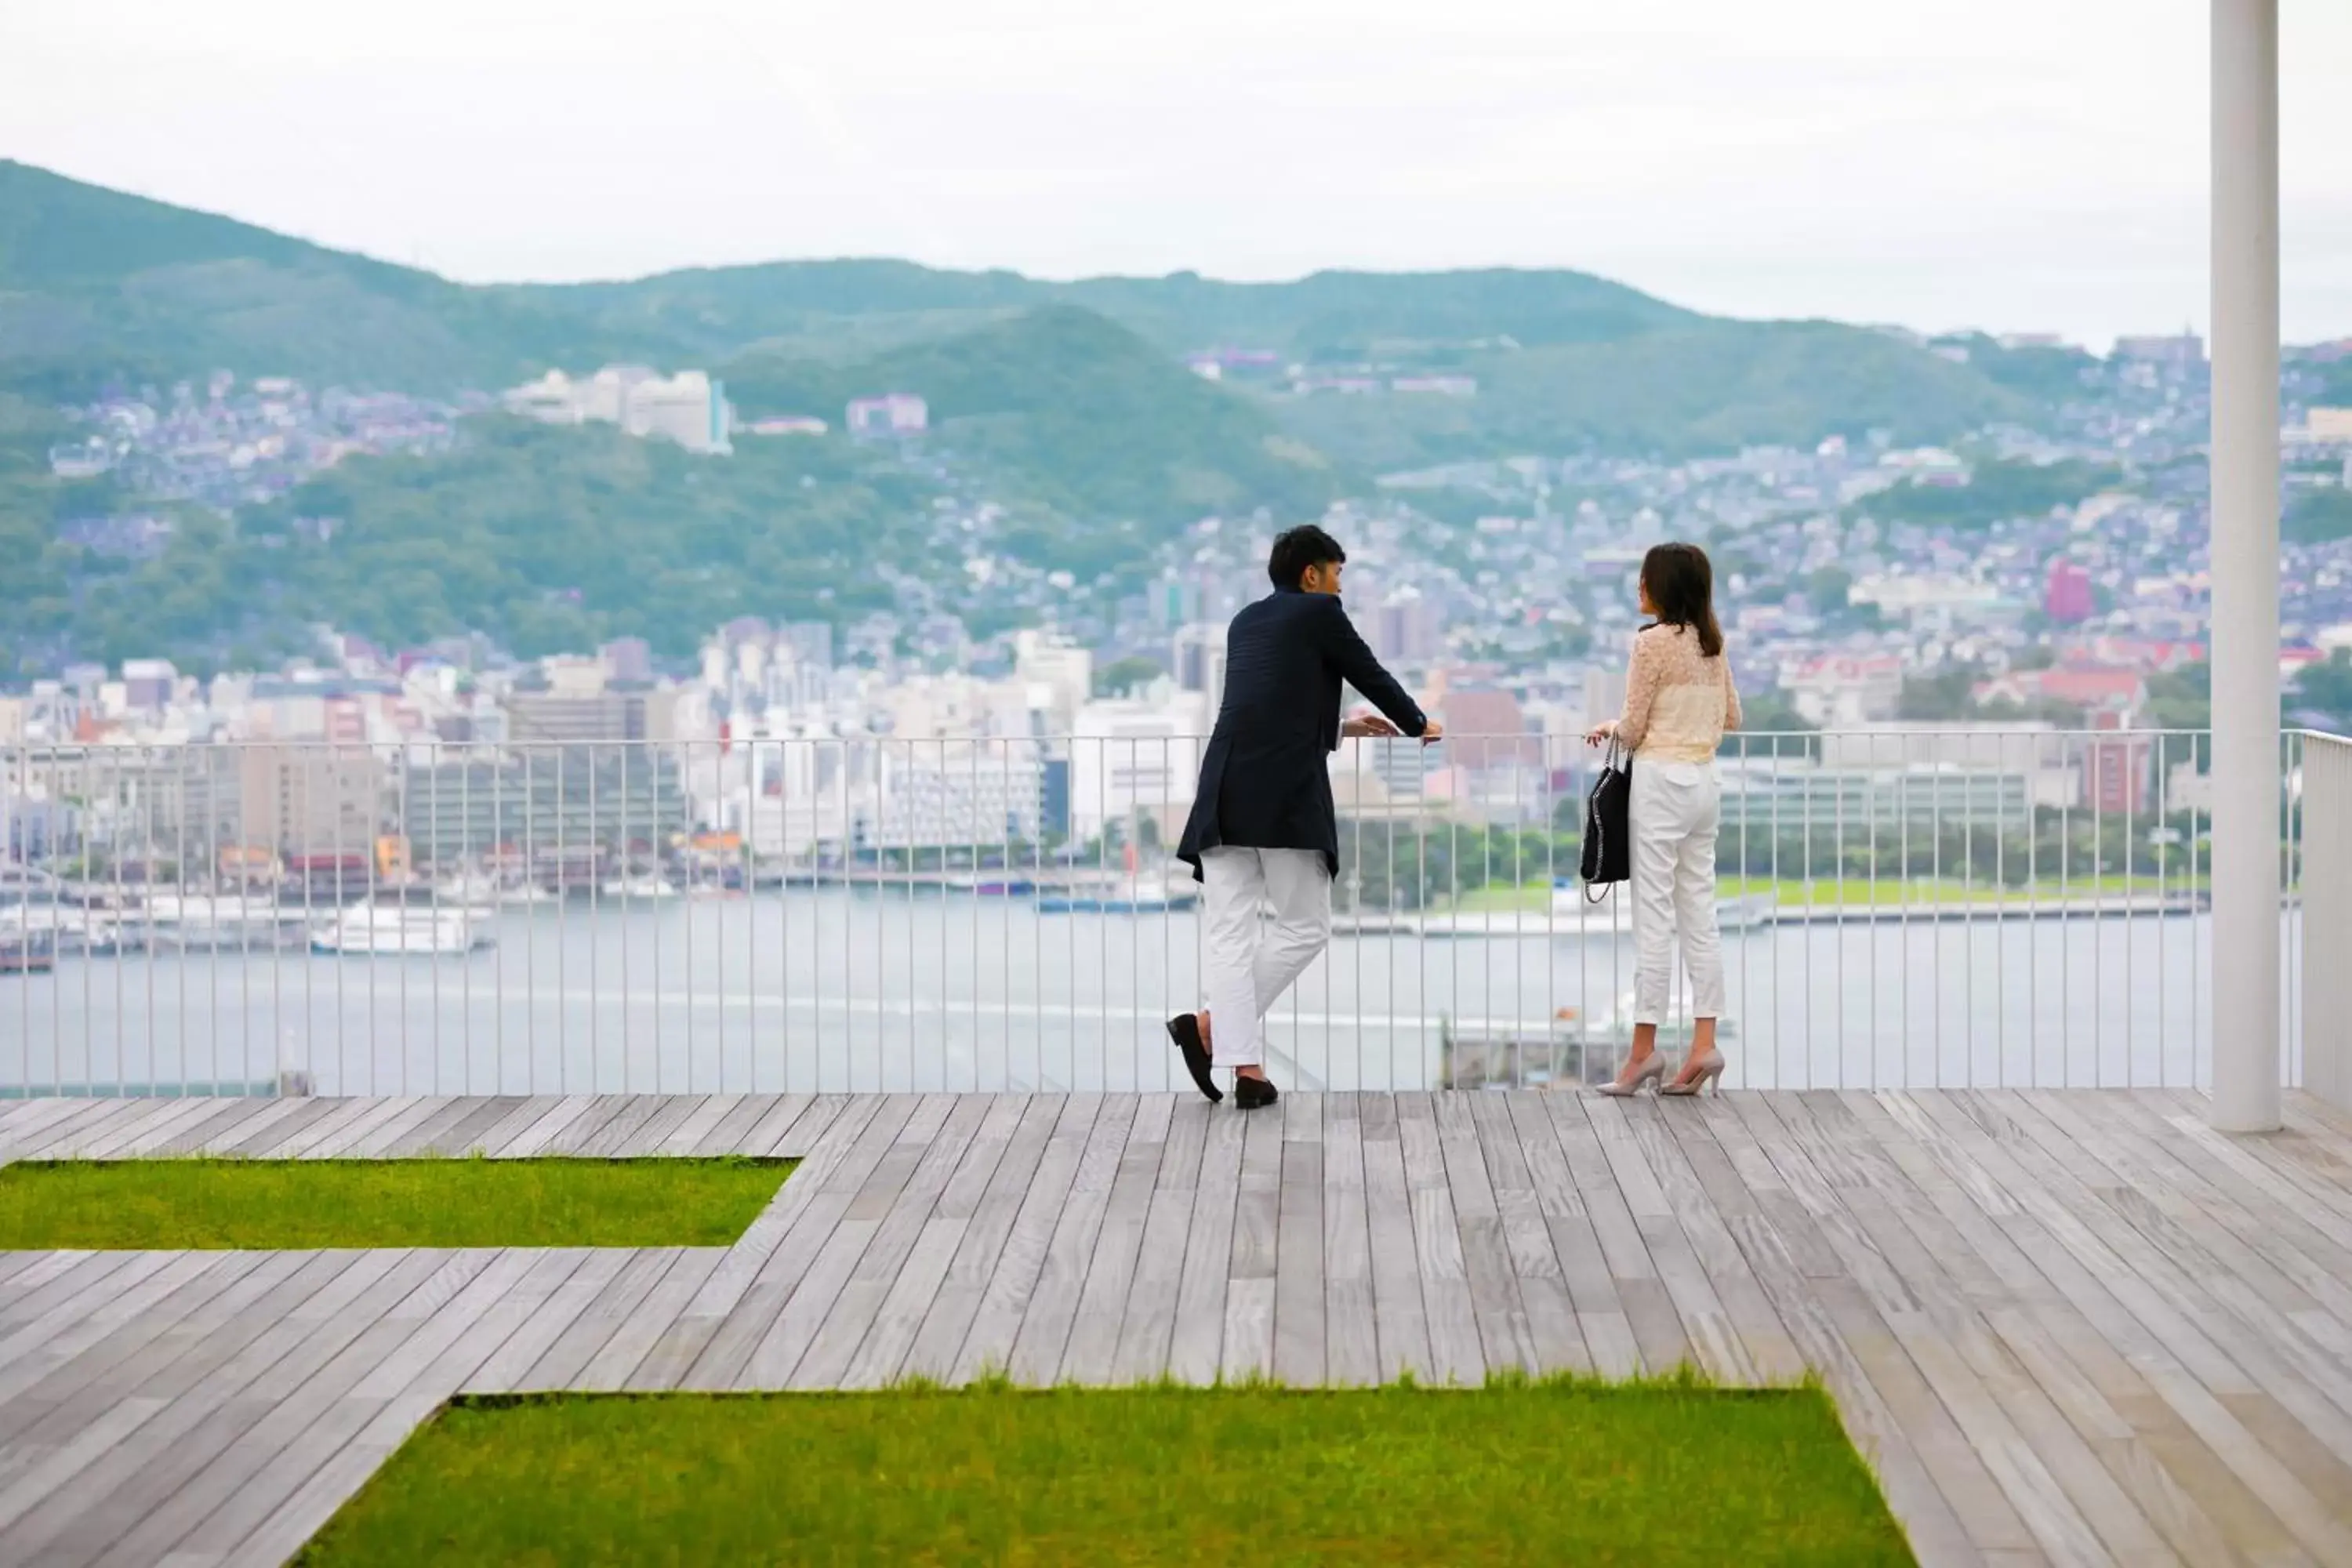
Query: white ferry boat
x=395, y=930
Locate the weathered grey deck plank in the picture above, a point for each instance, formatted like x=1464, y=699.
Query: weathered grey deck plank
x=900, y=1193
x=1147, y=1322
x=259, y=1468
x=713, y=1109
x=846, y=1191
x=726, y=1137
x=945, y=1218
x=1053, y=1306
x=1399, y=1308
x=1850, y=1293
x=217, y=1359
x=1092, y=1348
x=714, y=1339
x=134, y=1510
x=1351, y=1341
x=1012, y=1283
x=1196, y=1342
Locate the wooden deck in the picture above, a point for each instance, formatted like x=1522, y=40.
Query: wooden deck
x=2066, y=1326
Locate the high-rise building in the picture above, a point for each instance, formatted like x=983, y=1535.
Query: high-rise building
x=627, y=660
x=1406, y=628
x=811, y=644
x=556, y=719
x=1200, y=660
x=1486, y=729
x=2067, y=600
x=569, y=806
x=310, y=800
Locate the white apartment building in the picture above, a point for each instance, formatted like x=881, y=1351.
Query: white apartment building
x=1135, y=758
x=893, y=413
x=1846, y=691
x=1065, y=670
x=689, y=408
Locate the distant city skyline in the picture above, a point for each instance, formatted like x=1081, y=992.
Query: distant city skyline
x=1950, y=164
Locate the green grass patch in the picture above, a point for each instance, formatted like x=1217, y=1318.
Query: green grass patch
x=1545, y=1472
x=1890, y=891
x=1854, y=892
x=555, y=1202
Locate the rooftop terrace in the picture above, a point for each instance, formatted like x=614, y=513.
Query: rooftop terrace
x=2066, y=1326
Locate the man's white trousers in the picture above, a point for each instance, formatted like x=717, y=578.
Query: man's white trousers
x=1269, y=914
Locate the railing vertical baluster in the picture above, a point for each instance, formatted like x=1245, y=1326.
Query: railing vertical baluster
x=1870, y=803
x=2098, y=907
x=2131, y=790
x=2000, y=922
x=1967, y=923
x=89, y=1039
x=2292, y=784
x=1548, y=808
x=1772, y=855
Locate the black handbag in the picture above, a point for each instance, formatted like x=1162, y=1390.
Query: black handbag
x=1607, y=850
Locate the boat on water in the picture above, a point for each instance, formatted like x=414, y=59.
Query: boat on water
x=526, y=895
x=992, y=886
x=66, y=927
x=27, y=952
x=197, y=921
x=468, y=891
x=1128, y=895
x=640, y=889
x=397, y=930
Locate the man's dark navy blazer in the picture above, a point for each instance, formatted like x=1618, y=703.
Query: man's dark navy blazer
x=1263, y=783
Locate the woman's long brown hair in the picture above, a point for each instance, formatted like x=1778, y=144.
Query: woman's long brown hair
x=1680, y=581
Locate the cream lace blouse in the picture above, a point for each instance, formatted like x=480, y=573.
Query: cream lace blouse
x=1678, y=703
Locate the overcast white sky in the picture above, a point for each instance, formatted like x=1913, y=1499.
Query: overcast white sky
x=2012, y=164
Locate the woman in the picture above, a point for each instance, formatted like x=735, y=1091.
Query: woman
x=1679, y=699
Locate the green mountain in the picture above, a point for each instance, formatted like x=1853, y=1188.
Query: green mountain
x=94, y=282
x=1065, y=407
x=97, y=284
x=1706, y=386
x=1326, y=315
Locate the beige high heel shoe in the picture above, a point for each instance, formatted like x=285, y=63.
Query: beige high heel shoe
x=1653, y=1072
x=1710, y=1070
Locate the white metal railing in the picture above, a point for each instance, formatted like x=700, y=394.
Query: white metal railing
x=2322, y=956
x=1902, y=907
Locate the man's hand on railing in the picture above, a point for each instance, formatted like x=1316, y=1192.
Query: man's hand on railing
x=1368, y=726
x=1432, y=733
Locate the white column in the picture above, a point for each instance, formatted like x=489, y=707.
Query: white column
x=2245, y=476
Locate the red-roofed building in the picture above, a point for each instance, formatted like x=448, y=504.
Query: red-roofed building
x=2294, y=660
x=2149, y=656
x=2095, y=688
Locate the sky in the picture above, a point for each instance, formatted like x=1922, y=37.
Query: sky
x=2005, y=164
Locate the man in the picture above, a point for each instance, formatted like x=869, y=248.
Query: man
x=1263, y=832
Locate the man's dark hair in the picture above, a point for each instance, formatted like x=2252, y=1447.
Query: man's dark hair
x=1298, y=549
